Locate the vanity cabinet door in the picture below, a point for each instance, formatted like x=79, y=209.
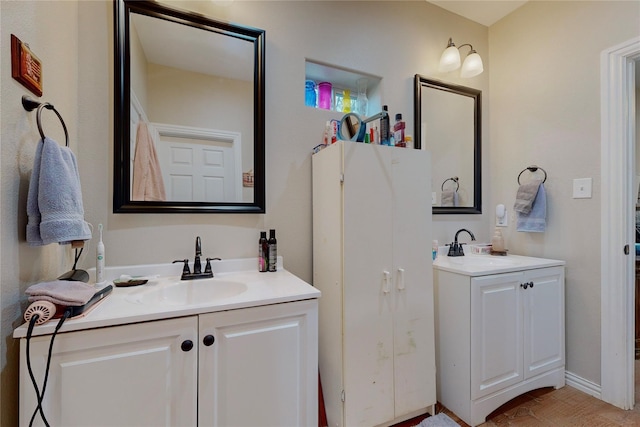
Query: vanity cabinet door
x=496, y=333
x=259, y=366
x=133, y=375
x=543, y=321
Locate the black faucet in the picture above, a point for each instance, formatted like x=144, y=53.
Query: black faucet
x=455, y=248
x=197, y=266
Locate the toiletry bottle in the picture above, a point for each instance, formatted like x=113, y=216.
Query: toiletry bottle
x=384, y=127
x=497, y=242
x=398, y=131
x=326, y=136
x=273, y=250
x=100, y=259
x=263, y=252
x=434, y=250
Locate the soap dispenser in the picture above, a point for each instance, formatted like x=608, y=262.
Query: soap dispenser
x=497, y=243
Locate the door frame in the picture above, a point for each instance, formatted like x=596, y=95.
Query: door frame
x=617, y=146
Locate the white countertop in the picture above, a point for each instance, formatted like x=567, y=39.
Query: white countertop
x=482, y=265
x=123, y=305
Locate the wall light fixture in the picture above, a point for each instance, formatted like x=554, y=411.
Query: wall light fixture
x=450, y=60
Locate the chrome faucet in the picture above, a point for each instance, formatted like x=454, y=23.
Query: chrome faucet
x=455, y=248
x=197, y=266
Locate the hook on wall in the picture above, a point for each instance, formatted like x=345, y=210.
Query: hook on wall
x=30, y=105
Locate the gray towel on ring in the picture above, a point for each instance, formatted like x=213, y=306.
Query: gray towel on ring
x=61, y=292
x=54, y=202
x=526, y=195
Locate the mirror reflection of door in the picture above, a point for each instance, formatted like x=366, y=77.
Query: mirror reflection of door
x=186, y=77
x=196, y=169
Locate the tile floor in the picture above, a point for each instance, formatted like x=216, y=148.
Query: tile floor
x=556, y=408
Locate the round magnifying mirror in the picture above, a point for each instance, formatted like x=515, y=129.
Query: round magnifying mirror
x=352, y=128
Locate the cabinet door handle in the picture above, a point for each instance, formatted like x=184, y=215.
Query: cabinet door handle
x=531, y=284
x=400, y=279
x=385, y=281
x=187, y=345
x=208, y=340
x=524, y=285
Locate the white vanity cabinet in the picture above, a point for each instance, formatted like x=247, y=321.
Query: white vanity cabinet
x=498, y=336
x=246, y=367
x=372, y=262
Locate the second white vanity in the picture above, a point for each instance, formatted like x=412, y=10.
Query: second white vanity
x=500, y=330
x=237, y=349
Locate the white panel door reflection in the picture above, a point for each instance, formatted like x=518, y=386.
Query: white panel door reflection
x=199, y=170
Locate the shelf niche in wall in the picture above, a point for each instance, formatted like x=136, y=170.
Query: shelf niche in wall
x=342, y=78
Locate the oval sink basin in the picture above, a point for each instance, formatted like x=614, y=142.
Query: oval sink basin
x=189, y=292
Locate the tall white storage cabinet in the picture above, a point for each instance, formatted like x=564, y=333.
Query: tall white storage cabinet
x=372, y=262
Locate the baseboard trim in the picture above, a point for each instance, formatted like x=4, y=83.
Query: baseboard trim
x=583, y=385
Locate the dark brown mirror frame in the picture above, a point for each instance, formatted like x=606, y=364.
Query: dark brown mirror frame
x=122, y=202
x=476, y=95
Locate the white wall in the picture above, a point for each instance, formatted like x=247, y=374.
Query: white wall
x=395, y=40
x=545, y=110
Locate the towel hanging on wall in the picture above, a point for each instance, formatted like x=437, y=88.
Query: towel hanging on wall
x=147, y=174
x=536, y=220
x=54, y=201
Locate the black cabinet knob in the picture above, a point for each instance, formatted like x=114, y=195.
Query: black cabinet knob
x=208, y=340
x=186, y=345
x=524, y=285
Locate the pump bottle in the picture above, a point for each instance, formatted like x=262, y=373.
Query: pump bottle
x=273, y=250
x=263, y=252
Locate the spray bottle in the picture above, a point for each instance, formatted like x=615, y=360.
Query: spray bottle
x=100, y=259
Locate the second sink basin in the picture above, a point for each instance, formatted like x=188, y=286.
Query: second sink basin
x=189, y=292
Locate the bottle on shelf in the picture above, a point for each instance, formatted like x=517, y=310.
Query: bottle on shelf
x=398, y=131
x=384, y=127
x=362, y=102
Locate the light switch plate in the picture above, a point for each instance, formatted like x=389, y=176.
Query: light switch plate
x=582, y=188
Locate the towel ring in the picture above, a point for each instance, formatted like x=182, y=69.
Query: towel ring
x=532, y=169
x=30, y=105
x=454, y=179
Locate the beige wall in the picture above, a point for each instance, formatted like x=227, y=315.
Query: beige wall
x=545, y=114
x=545, y=110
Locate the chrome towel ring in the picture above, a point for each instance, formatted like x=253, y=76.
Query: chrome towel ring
x=30, y=105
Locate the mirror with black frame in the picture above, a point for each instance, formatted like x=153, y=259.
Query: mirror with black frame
x=189, y=112
x=448, y=124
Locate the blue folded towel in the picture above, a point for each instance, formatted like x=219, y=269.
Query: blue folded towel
x=536, y=220
x=59, y=198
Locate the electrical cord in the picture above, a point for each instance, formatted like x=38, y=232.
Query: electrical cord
x=39, y=395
